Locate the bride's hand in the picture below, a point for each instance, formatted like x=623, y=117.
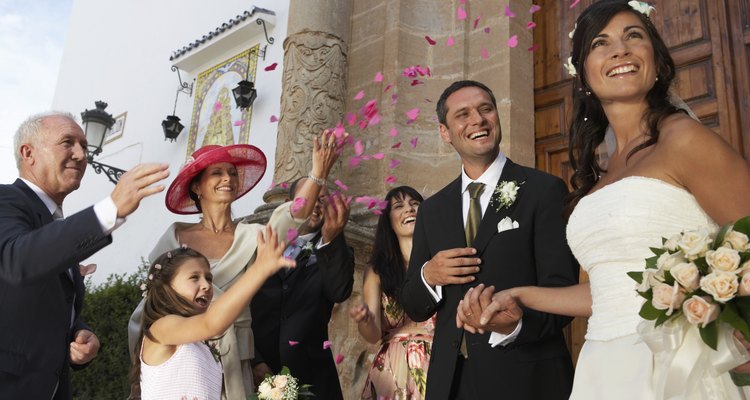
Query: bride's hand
x=502, y=314
x=470, y=308
x=744, y=368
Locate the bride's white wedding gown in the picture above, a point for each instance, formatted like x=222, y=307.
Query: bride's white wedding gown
x=610, y=232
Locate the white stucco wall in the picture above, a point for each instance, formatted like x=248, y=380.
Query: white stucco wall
x=118, y=51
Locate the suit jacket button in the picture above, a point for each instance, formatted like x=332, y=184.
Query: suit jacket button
x=285, y=287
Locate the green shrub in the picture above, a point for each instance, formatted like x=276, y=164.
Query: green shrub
x=107, y=309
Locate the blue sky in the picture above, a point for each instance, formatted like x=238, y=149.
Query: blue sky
x=32, y=36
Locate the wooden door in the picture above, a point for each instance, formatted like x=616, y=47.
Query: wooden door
x=713, y=71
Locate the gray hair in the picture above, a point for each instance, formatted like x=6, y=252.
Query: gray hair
x=30, y=130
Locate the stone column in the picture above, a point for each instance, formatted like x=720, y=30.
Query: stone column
x=314, y=80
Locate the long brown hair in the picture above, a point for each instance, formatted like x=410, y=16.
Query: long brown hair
x=589, y=122
x=161, y=300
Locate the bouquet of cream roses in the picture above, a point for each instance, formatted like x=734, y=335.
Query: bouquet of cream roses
x=702, y=275
x=282, y=387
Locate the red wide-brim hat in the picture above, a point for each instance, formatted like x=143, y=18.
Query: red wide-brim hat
x=249, y=161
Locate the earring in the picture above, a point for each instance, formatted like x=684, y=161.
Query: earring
x=199, y=197
x=588, y=93
x=657, y=79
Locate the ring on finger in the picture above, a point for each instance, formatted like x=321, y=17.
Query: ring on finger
x=469, y=314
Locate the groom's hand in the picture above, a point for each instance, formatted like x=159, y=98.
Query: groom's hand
x=452, y=267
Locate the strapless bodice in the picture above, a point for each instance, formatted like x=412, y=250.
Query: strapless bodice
x=610, y=232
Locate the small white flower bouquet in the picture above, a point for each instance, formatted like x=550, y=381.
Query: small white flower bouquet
x=282, y=387
x=703, y=276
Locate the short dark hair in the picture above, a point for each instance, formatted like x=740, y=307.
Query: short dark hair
x=442, y=110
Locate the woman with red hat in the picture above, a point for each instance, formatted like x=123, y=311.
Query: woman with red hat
x=211, y=180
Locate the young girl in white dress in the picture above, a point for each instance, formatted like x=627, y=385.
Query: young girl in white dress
x=667, y=174
x=175, y=360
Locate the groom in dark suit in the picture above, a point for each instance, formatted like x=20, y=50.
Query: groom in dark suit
x=498, y=224
x=291, y=311
x=41, y=287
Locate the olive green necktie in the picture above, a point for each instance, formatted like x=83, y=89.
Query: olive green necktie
x=473, y=218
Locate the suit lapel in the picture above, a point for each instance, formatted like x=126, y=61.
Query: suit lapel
x=453, y=214
x=301, y=260
x=488, y=226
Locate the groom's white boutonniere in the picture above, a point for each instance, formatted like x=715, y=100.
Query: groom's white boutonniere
x=505, y=194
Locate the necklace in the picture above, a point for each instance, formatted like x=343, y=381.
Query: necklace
x=224, y=229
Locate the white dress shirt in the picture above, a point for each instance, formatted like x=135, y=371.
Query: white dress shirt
x=489, y=178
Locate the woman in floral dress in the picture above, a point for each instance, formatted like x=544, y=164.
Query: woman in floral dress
x=399, y=370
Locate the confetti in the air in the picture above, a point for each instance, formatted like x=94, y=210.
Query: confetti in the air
x=271, y=67
x=413, y=142
x=450, y=41
x=534, y=8
x=531, y=25
x=293, y=342
x=508, y=12
x=461, y=13
x=394, y=163
x=513, y=41
x=291, y=234
x=430, y=40
x=413, y=114
x=341, y=185
x=485, y=54
x=378, y=77
x=360, y=95
x=274, y=119
x=390, y=179
x=326, y=345
x=393, y=132
x=574, y=3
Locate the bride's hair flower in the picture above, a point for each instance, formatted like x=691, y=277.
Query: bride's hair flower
x=642, y=7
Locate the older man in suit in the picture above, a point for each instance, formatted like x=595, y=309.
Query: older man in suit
x=41, y=287
x=497, y=224
x=292, y=309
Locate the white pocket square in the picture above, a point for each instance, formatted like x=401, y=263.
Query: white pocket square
x=506, y=224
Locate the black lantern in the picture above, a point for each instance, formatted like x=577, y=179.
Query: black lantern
x=244, y=94
x=96, y=125
x=172, y=127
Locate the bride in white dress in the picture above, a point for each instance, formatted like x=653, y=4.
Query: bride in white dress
x=667, y=174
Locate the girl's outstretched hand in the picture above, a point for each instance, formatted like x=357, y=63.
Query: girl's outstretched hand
x=269, y=258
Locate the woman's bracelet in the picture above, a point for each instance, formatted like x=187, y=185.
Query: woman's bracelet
x=318, y=181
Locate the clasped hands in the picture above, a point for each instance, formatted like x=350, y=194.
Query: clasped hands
x=481, y=308
x=484, y=310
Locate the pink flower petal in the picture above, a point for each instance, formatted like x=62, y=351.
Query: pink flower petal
x=299, y=202
x=274, y=119
x=461, y=1
x=351, y=118
x=283, y=185
x=363, y=124
x=354, y=161
x=240, y=122
x=531, y=25
x=394, y=99
x=339, y=130
x=413, y=114
x=390, y=85
x=291, y=234
x=341, y=185
x=485, y=54
x=508, y=12
x=393, y=132
x=378, y=156
x=271, y=67
x=360, y=95
x=394, y=163
x=377, y=212
x=487, y=30
x=365, y=158
x=396, y=146
x=293, y=342
x=390, y=179
x=339, y=358
x=217, y=106
x=414, y=142
x=535, y=47
x=359, y=148
x=378, y=77
x=450, y=42
x=430, y=40
x=534, y=8
x=513, y=41
x=574, y=3
x=374, y=120
x=326, y=345
x=416, y=82
x=476, y=22
x=461, y=13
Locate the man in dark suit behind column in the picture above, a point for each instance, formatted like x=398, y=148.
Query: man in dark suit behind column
x=41, y=287
x=508, y=237
x=292, y=310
